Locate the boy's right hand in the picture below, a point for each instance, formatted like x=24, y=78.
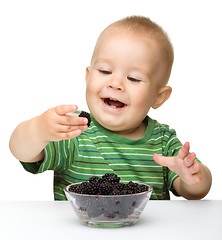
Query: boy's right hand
x=60, y=123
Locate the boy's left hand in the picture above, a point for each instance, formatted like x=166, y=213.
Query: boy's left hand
x=183, y=164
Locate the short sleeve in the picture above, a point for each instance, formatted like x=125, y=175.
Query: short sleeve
x=58, y=156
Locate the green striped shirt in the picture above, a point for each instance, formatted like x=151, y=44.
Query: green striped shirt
x=98, y=151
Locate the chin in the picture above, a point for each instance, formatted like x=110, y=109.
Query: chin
x=115, y=129
x=111, y=124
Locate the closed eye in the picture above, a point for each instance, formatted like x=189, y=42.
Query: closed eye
x=105, y=72
x=133, y=79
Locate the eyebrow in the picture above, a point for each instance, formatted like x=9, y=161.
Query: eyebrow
x=102, y=60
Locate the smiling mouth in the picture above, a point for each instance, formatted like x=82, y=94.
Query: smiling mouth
x=113, y=103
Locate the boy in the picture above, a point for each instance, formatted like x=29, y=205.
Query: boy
x=128, y=75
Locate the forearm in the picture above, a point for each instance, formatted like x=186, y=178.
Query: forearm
x=194, y=191
x=25, y=143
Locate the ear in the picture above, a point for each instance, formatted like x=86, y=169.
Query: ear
x=163, y=94
x=87, y=73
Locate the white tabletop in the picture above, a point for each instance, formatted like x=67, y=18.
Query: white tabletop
x=160, y=220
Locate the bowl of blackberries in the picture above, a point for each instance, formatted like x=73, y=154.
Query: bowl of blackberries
x=106, y=202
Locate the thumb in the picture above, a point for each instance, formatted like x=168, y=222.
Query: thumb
x=161, y=160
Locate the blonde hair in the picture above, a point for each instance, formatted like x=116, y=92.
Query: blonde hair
x=143, y=25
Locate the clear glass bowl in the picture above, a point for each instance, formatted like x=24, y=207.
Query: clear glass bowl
x=108, y=211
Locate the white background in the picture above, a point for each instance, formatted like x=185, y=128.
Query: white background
x=45, y=47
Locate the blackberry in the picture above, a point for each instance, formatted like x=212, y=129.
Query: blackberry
x=143, y=188
x=73, y=188
x=119, y=186
x=95, y=180
x=92, y=189
x=83, y=188
x=105, y=189
x=108, y=185
x=86, y=115
x=111, y=177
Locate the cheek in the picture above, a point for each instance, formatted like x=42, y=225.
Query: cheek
x=142, y=102
x=94, y=82
x=141, y=98
x=89, y=92
x=90, y=85
x=93, y=89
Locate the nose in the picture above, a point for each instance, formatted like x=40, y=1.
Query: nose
x=116, y=82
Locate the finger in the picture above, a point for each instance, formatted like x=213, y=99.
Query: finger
x=69, y=135
x=192, y=179
x=64, y=109
x=190, y=159
x=195, y=168
x=66, y=128
x=197, y=177
x=162, y=160
x=72, y=121
x=184, y=151
x=72, y=114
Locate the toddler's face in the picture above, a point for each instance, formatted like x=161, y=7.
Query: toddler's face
x=121, y=83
